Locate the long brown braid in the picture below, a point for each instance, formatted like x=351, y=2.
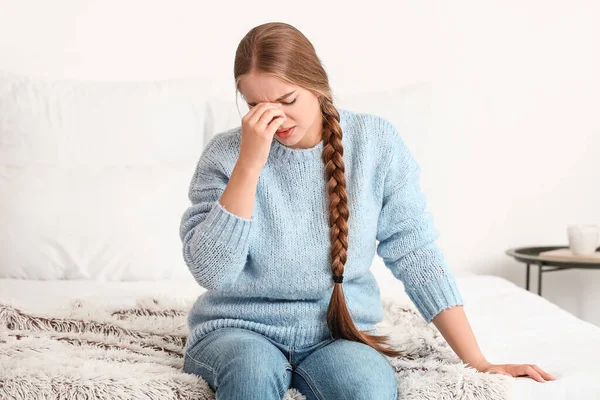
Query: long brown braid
x=339, y=319
x=269, y=48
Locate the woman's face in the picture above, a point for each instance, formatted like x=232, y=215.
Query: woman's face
x=301, y=107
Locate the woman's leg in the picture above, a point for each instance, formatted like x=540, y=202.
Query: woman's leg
x=240, y=364
x=345, y=369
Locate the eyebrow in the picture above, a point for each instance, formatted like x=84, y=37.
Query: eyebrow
x=279, y=99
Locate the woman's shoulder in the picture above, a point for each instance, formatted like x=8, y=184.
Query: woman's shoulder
x=372, y=124
x=223, y=144
x=221, y=150
x=218, y=156
x=379, y=134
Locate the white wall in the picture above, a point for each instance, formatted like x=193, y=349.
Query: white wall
x=514, y=151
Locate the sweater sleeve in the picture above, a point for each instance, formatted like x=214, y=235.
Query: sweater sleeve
x=407, y=235
x=215, y=241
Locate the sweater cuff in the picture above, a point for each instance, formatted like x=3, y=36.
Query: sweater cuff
x=226, y=229
x=221, y=246
x=435, y=295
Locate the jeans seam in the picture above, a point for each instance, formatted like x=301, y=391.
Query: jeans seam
x=292, y=350
x=211, y=369
x=284, y=388
x=310, y=383
x=200, y=363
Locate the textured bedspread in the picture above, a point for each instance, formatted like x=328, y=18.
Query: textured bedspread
x=92, y=350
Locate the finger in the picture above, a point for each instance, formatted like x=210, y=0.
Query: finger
x=259, y=110
x=533, y=373
x=274, y=125
x=252, y=110
x=268, y=116
x=543, y=373
x=252, y=113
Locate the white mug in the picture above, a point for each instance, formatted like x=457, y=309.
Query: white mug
x=583, y=239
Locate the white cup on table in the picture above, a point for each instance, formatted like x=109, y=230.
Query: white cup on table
x=583, y=238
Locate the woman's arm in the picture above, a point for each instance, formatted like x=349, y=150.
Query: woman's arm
x=407, y=236
x=453, y=325
x=455, y=328
x=215, y=228
x=239, y=195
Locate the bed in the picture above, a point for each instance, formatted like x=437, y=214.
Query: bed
x=511, y=324
x=103, y=147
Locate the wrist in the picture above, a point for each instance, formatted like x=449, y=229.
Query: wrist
x=248, y=167
x=480, y=364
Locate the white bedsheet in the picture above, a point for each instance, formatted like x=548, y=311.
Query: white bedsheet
x=510, y=324
x=513, y=325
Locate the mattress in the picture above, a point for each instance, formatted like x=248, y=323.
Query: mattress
x=511, y=324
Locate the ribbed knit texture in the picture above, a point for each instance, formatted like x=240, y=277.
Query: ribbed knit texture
x=271, y=273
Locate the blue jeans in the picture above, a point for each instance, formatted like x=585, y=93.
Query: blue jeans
x=239, y=363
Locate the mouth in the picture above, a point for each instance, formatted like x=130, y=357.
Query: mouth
x=285, y=129
x=284, y=133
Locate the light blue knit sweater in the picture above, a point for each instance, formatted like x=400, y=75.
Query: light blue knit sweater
x=271, y=273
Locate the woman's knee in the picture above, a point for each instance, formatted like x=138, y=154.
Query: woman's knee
x=348, y=369
x=238, y=357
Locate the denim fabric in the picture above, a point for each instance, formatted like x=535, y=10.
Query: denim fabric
x=242, y=364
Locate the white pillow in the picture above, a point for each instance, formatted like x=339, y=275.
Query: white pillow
x=62, y=122
x=106, y=223
x=94, y=176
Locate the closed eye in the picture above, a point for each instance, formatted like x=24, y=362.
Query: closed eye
x=287, y=104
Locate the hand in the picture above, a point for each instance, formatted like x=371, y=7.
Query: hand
x=258, y=127
x=532, y=370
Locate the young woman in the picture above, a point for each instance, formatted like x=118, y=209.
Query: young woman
x=288, y=205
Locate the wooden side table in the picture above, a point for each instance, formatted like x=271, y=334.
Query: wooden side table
x=531, y=255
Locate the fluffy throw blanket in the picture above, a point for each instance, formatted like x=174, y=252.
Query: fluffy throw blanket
x=90, y=351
